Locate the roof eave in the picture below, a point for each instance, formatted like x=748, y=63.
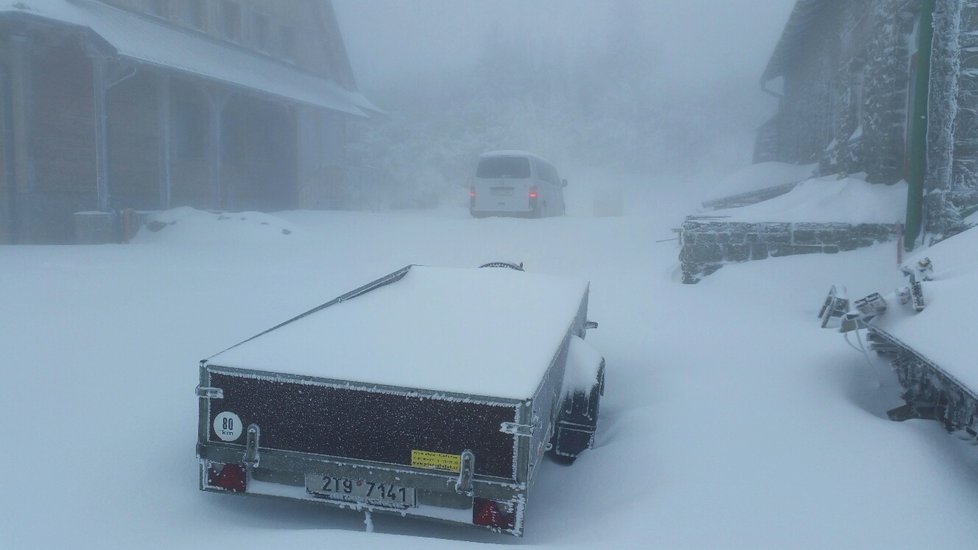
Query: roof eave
x=794, y=30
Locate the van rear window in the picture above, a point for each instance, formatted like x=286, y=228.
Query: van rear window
x=503, y=167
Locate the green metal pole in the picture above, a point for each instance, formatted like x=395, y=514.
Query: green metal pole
x=917, y=165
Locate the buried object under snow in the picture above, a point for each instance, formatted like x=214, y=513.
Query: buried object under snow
x=936, y=385
x=430, y=392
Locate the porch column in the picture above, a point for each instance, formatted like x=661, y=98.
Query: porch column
x=163, y=113
x=22, y=163
x=100, y=92
x=7, y=234
x=291, y=113
x=216, y=100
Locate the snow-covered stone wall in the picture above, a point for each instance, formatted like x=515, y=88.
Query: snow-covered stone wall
x=881, y=111
x=951, y=182
x=965, y=168
x=708, y=243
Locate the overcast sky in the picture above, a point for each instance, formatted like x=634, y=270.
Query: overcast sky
x=698, y=40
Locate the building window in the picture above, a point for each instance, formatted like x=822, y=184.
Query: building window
x=259, y=31
x=231, y=20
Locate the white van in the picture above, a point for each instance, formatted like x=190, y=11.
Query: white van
x=516, y=183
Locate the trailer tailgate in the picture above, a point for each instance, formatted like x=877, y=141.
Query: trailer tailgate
x=395, y=426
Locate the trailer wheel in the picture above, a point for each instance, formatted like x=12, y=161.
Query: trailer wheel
x=577, y=422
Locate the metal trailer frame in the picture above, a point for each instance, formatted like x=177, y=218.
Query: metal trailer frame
x=441, y=495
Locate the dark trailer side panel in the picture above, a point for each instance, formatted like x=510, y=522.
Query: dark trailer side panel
x=364, y=423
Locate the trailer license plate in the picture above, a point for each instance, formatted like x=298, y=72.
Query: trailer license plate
x=360, y=490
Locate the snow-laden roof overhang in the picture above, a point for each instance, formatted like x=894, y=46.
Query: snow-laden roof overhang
x=800, y=21
x=145, y=41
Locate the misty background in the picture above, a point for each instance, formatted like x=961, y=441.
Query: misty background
x=636, y=92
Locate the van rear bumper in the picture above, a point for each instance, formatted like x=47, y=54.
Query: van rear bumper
x=502, y=213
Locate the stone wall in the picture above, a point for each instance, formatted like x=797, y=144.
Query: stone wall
x=882, y=110
x=847, y=69
x=951, y=182
x=965, y=170
x=710, y=242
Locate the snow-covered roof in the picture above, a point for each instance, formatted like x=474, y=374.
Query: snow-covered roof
x=488, y=332
x=799, y=22
x=141, y=39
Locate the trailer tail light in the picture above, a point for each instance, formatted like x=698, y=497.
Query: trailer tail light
x=499, y=516
x=533, y=192
x=230, y=477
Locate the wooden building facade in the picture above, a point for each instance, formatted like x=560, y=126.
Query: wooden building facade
x=151, y=104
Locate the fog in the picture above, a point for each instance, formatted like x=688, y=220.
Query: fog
x=651, y=92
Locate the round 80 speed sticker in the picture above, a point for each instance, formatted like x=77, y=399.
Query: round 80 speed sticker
x=227, y=426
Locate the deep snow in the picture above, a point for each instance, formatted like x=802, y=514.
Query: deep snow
x=730, y=419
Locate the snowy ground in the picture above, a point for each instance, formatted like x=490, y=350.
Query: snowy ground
x=730, y=420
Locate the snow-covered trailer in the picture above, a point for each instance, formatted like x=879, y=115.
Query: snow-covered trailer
x=430, y=392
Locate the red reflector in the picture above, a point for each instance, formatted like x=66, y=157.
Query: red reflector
x=231, y=477
x=497, y=515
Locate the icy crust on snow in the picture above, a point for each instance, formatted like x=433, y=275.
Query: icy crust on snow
x=489, y=332
x=828, y=200
x=760, y=176
x=943, y=331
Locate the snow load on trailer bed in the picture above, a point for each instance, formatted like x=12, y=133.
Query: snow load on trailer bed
x=479, y=332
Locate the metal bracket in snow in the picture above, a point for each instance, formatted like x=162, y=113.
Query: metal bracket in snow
x=512, y=428
x=209, y=392
x=463, y=485
x=251, y=456
x=835, y=306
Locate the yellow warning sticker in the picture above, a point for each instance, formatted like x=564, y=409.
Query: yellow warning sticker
x=434, y=461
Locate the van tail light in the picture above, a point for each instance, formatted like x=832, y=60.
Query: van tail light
x=533, y=192
x=496, y=515
x=471, y=192
x=230, y=477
